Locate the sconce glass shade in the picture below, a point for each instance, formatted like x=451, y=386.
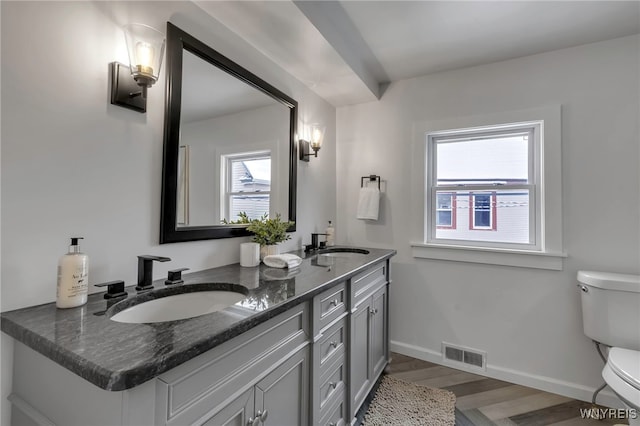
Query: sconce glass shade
x=317, y=136
x=145, y=46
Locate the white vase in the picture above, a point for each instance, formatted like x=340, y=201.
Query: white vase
x=269, y=250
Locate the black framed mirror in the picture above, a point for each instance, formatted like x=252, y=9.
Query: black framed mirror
x=229, y=145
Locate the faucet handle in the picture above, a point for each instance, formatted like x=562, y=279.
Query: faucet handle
x=175, y=276
x=114, y=289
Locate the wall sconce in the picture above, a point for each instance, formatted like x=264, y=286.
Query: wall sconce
x=145, y=46
x=315, y=142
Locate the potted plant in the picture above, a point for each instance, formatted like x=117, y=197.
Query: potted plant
x=269, y=232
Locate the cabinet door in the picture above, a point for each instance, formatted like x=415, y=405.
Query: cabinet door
x=236, y=413
x=282, y=397
x=360, y=354
x=379, y=341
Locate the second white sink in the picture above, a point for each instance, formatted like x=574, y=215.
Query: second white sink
x=179, y=306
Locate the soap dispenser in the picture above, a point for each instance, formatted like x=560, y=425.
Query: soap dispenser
x=330, y=235
x=73, y=277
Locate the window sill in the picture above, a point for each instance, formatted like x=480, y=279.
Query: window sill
x=490, y=256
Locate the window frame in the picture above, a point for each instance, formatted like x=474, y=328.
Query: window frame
x=493, y=214
x=226, y=193
x=533, y=129
x=453, y=210
x=552, y=254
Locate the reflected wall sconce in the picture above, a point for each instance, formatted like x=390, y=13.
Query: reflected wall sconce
x=316, y=135
x=129, y=84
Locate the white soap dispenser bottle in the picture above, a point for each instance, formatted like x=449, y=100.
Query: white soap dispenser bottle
x=73, y=277
x=330, y=231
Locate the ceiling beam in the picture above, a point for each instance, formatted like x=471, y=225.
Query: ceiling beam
x=332, y=21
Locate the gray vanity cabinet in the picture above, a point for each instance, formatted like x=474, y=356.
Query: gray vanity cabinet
x=313, y=364
x=236, y=413
x=260, y=378
x=351, y=347
x=280, y=398
x=369, y=349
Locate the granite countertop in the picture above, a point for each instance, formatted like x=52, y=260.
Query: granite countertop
x=117, y=356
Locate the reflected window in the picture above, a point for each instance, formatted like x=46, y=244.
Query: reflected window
x=247, y=184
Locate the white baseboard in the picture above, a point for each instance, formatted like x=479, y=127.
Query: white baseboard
x=547, y=384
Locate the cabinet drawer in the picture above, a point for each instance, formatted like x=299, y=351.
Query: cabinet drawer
x=191, y=389
x=332, y=383
x=329, y=305
x=365, y=282
x=332, y=342
x=336, y=412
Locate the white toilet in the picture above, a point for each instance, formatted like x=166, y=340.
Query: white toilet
x=611, y=316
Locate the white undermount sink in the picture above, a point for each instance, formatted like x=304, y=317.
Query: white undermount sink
x=343, y=252
x=178, y=306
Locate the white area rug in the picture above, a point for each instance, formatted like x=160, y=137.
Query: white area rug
x=399, y=403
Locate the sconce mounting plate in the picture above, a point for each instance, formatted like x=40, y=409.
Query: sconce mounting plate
x=305, y=150
x=125, y=92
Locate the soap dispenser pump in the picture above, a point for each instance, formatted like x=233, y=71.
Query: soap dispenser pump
x=73, y=277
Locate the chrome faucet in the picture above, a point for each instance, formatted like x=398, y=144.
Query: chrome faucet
x=145, y=271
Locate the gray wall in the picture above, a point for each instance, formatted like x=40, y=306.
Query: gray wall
x=529, y=321
x=72, y=164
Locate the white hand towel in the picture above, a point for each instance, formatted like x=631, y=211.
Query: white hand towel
x=368, y=203
x=286, y=260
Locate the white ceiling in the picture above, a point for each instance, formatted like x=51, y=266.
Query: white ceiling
x=346, y=51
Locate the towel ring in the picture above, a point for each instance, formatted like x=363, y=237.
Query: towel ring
x=372, y=178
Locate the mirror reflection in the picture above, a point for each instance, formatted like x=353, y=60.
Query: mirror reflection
x=233, y=148
x=229, y=145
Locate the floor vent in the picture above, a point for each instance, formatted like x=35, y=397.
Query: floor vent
x=472, y=358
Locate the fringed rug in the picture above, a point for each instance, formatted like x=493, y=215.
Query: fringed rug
x=398, y=403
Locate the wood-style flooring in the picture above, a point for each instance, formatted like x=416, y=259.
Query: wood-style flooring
x=488, y=402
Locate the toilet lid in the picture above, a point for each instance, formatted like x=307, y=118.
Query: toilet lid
x=626, y=364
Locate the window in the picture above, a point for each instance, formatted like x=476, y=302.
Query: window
x=483, y=211
x=446, y=211
x=501, y=183
x=247, y=184
x=490, y=175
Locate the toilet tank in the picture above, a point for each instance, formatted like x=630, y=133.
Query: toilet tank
x=611, y=308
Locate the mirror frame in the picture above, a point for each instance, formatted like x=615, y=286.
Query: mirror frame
x=177, y=42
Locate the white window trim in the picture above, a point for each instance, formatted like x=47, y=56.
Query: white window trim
x=551, y=254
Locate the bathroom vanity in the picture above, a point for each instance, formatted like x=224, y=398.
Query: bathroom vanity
x=304, y=347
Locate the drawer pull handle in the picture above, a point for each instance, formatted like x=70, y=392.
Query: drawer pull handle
x=263, y=416
x=332, y=424
x=334, y=302
x=333, y=385
x=374, y=311
x=333, y=344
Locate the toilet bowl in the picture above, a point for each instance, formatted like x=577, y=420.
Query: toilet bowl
x=611, y=316
x=622, y=374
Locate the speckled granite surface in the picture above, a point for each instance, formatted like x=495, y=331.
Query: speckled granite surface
x=117, y=356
